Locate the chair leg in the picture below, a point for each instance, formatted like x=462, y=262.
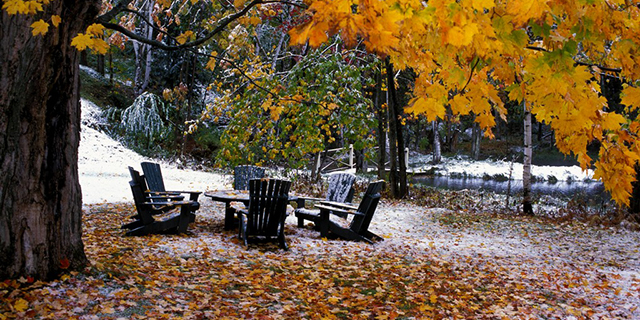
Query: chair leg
x=282, y=242
x=323, y=223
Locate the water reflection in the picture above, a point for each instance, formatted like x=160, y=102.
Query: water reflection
x=560, y=188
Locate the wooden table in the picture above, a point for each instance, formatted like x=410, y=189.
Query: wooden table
x=229, y=196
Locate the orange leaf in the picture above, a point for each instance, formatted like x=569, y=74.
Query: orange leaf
x=65, y=263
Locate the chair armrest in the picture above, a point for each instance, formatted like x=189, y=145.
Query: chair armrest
x=339, y=210
x=166, y=197
x=340, y=205
x=311, y=198
x=178, y=192
x=170, y=203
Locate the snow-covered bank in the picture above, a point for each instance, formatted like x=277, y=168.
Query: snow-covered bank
x=103, y=162
x=463, y=167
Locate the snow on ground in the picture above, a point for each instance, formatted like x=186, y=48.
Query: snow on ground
x=103, y=167
x=581, y=253
x=462, y=166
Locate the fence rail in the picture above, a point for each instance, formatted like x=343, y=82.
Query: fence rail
x=343, y=159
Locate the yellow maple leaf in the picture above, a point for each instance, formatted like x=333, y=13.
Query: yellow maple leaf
x=100, y=46
x=39, y=27
x=433, y=298
x=15, y=6
x=82, y=41
x=211, y=64
x=611, y=120
x=33, y=7
x=239, y=3
x=255, y=20
x=631, y=97
x=95, y=29
x=55, y=20
x=318, y=35
x=455, y=36
x=300, y=34
x=182, y=38
x=480, y=5
x=430, y=107
x=21, y=305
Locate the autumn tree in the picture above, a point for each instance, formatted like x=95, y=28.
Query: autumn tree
x=546, y=53
x=282, y=118
x=40, y=198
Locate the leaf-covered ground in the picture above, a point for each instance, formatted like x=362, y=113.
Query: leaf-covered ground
x=433, y=263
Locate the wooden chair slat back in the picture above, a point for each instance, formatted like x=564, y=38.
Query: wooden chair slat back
x=139, y=198
x=153, y=175
x=135, y=176
x=242, y=175
x=267, y=206
x=341, y=187
x=367, y=207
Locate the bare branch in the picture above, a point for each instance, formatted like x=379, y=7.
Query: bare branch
x=222, y=24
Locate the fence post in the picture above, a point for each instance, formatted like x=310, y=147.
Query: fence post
x=316, y=171
x=350, y=156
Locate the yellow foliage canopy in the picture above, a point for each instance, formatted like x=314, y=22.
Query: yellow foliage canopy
x=462, y=50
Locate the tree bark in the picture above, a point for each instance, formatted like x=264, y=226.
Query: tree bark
x=393, y=143
x=476, y=137
x=398, y=171
x=437, y=150
x=526, y=174
x=143, y=52
x=40, y=197
x=382, y=126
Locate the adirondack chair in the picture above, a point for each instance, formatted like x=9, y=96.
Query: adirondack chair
x=146, y=224
x=242, y=175
x=264, y=218
x=155, y=182
x=362, y=215
x=340, y=190
x=155, y=196
x=158, y=195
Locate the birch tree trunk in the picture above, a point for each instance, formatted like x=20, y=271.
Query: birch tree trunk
x=526, y=174
x=142, y=51
x=437, y=151
x=40, y=197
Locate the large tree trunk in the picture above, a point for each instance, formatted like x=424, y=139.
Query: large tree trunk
x=393, y=142
x=40, y=198
x=382, y=126
x=398, y=171
x=526, y=174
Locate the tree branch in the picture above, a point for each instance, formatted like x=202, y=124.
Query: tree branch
x=122, y=6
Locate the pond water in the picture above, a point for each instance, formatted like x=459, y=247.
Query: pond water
x=593, y=191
